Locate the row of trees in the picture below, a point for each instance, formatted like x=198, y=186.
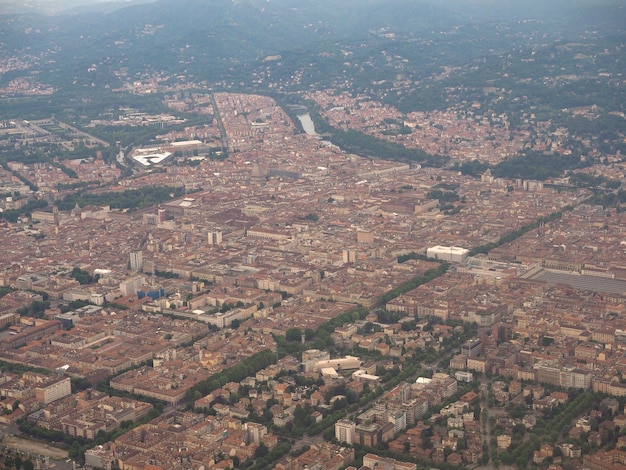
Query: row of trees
x=612, y=199
x=546, y=431
x=20, y=368
x=236, y=373
x=413, y=283
x=13, y=214
x=443, y=196
x=586, y=180
x=18, y=463
x=166, y=274
x=382, y=448
x=535, y=165
x=321, y=338
x=264, y=461
x=129, y=199
x=509, y=237
x=359, y=143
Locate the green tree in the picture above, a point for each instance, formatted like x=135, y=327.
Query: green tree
x=83, y=277
x=261, y=451
x=293, y=334
x=74, y=450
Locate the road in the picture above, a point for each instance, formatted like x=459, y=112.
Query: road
x=484, y=420
x=485, y=426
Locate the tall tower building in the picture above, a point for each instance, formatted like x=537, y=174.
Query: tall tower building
x=344, y=431
x=215, y=237
x=349, y=256
x=136, y=261
x=161, y=215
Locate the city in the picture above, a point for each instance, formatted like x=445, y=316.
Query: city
x=197, y=279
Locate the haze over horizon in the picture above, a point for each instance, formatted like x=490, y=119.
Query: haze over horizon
x=488, y=8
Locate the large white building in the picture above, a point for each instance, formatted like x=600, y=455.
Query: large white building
x=452, y=254
x=151, y=156
x=344, y=363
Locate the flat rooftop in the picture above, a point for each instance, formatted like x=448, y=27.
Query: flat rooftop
x=583, y=282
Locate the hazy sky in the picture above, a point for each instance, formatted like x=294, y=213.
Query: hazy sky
x=54, y=6
x=479, y=8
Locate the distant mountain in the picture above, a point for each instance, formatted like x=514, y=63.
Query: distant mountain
x=209, y=37
x=262, y=27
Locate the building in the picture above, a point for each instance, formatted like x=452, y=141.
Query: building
x=362, y=376
x=398, y=419
x=132, y=285
x=548, y=375
x=575, y=378
x=349, y=256
x=54, y=389
x=386, y=463
x=368, y=435
x=223, y=320
x=345, y=363
x=267, y=234
x=504, y=441
x=256, y=432
x=612, y=460
x=153, y=292
x=463, y=376
x=215, y=237
x=471, y=348
x=345, y=431
x=31, y=334
x=452, y=254
x=311, y=357
x=9, y=319
x=363, y=236
x=566, y=378
x=478, y=364
x=151, y=156
x=101, y=457
x=136, y=261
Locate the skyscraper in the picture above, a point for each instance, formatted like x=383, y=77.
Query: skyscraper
x=136, y=261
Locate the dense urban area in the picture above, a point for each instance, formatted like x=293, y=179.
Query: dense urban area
x=388, y=253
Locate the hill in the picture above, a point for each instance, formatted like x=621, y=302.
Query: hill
x=207, y=38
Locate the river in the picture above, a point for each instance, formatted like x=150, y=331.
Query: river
x=307, y=123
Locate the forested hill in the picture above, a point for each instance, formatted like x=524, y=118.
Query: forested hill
x=237, y=29
x=208, y=37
